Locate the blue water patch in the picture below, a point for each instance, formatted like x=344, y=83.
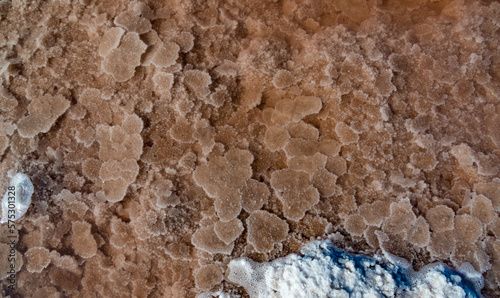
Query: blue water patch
x=364, y=263
x=465, y=283
x=404, y=276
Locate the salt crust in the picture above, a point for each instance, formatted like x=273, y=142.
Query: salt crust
x=208, y=276
x=316, y=272
x=38, y=259
x=265, y=230
x=295, y=191
x=83, y=242
x=206, y=239
x=399, y=109
x=43, y=113
x=122, y=61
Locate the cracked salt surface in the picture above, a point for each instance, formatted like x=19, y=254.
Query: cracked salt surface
x=325, y=271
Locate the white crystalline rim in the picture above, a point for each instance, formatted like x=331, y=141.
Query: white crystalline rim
x=23, y=192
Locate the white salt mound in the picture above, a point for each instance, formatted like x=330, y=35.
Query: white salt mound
x=324, y=271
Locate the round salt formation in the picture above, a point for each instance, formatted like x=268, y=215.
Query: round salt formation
x=21, y=189
x=322, y=270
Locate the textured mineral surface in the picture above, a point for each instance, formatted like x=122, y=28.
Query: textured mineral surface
x=166, y=138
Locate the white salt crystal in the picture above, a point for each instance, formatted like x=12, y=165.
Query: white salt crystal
x=17, y=198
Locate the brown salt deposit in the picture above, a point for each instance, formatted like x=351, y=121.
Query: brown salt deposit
x=167, y=138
